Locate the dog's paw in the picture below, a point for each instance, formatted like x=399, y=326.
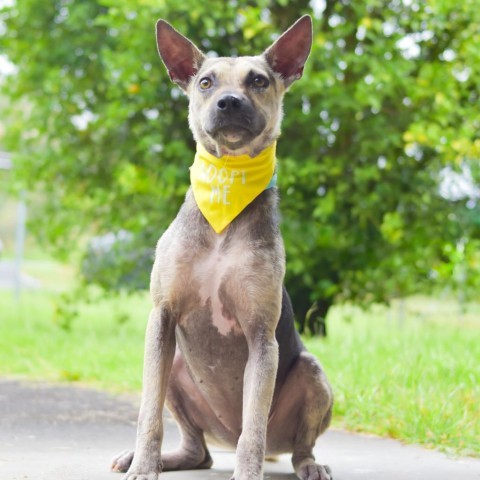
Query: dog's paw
x=313, y=471
x=122, y=462
x=247, y=474
x=142, y=476
x=145, y=469
x=238, y=477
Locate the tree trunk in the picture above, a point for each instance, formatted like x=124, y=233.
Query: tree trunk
x=312, y=318
x=316, y=317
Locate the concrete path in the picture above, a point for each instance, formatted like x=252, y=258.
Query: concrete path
x=64, y=433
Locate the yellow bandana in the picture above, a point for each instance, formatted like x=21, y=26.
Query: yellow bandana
x=224, y=186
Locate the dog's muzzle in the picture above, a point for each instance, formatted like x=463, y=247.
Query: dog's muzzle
x=234, y=121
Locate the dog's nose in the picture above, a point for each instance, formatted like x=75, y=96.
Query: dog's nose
x=229, y=103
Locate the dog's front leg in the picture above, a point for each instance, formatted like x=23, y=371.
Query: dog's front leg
x=159, y=353
x=259, y=383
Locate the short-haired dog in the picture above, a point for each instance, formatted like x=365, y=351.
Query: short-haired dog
x=221, y=347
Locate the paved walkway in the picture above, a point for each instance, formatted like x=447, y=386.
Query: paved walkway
x=64, y=433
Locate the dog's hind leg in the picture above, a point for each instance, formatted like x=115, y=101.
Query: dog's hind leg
x=192, y=453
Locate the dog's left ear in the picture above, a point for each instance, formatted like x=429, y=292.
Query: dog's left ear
x=181, y=57
x=288, y=54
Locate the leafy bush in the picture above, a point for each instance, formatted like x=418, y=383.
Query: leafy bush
x=389, y=99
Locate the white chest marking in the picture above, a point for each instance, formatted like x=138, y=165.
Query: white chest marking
x=209, y=271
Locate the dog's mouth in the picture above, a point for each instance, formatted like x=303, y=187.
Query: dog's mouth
x=233, y=136
x=234, y=131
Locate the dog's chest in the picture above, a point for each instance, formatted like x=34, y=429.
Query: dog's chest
x=209, y=273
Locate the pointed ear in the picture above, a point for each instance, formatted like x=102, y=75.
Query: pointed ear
x=287, y=56
x=181, y=57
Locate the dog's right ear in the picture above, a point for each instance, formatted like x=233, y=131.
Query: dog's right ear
x=287, y=56
x=181, y=57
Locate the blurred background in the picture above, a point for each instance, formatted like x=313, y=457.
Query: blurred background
x=379, y=177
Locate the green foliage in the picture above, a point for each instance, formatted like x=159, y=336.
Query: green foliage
x=118, y=262
x=65, y=311
x=389, y=98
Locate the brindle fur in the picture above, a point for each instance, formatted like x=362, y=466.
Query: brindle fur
x=221, y=348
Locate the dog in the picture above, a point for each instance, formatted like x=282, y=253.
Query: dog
x=221, y=348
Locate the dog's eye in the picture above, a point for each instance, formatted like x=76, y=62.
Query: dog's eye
x=205, y=83
x=260, y=81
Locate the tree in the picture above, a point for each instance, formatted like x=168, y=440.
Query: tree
x=388, y=100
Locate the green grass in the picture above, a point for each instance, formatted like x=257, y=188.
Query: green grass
x=102, y=345
x=418, y=381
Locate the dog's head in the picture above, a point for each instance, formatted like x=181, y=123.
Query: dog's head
x=235, y=103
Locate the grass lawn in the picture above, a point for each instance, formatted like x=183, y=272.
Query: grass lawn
x=103, y=345
x=418, y=381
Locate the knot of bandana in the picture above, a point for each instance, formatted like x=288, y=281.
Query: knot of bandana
x=224, y=186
